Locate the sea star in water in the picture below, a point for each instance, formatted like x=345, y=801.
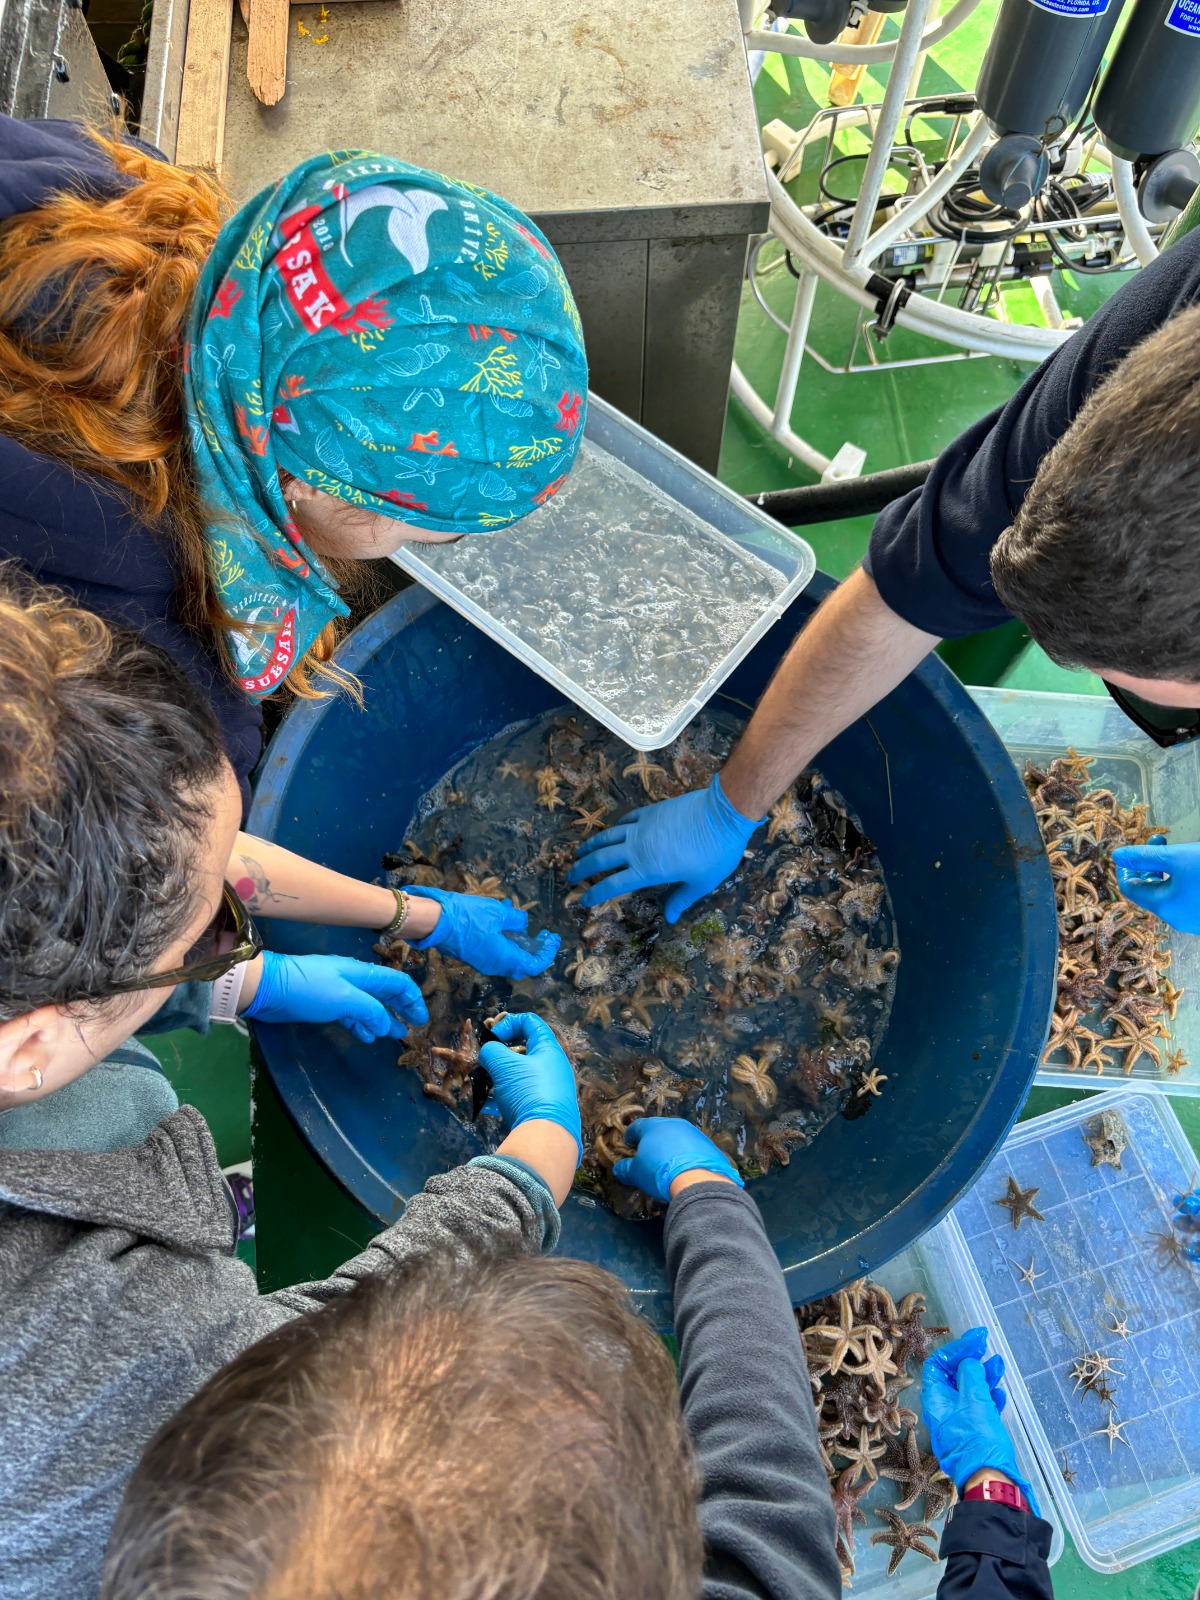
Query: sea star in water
x=876, y=1363
x=509, y=769
x=1027, y=1275
x=916, y=1475
x=1112, y=1432
x=863, y=1455
x=846, y=1511
x=1137, y=1042
x=913, y=1341
x=1175, y=1063
x=1068, y=1472
x=590, y=821
x=547, y=787
x=786, y=818
x=1171, y=998
x=903, y=1537
x=599, y=1009
x=1120, y=1326
x=637, y=1007
x=644, y=769
x=871, y=1081
x=755, y=1073
x=1019, y=1202
x=845, y=1334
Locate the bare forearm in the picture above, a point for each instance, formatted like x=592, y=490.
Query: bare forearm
x=277, y=883
x=853, y=653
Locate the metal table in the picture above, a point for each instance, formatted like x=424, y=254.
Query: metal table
x=638, y=156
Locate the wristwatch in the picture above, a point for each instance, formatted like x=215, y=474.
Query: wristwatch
x=1005, y=1494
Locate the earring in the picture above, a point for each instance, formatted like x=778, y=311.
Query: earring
x=36, y=1075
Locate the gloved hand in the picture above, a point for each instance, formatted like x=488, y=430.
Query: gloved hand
x=667, y=1146
x=539, y=1085
x=693, y=841
x=1176, y=899
x=475, y=929
x=962, y=1401
x=360, y=996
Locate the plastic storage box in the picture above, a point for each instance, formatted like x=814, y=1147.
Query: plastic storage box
x=929, y=1268
x=1039, y=727
x=1094, y=1255
x=636, y=590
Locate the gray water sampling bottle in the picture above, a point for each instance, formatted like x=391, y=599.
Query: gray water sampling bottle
x=1149, y=98
x=1040, y=63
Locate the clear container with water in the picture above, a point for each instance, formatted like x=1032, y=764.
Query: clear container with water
x=929, y=1268
x=1037, y=727
x=636, y=590
x=1096, y=1265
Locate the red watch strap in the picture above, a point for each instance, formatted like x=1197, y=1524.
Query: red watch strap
x=1007, y=1494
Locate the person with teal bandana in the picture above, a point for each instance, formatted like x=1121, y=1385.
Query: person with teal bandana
x=365, y=353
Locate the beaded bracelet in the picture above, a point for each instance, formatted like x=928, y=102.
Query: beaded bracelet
x=392, y=931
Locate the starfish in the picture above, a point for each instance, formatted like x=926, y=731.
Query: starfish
x=1062, y=1037
x=903, y=1537
x=775, y=1145
x=1171, y=998
x=844, y=1335
x=846, y=1510
x=590, y=971
x=547, y=786
x=1027, y=1274
x=462, y=1057
x=1112, y=1432
x=599, y=1009
x=1138, y=1042
x=755, y=1073
x=487, y=887
x=876, y=1363
x=1168, y=1250
x=590, y=821
x=1097, y=1052
x=786, y=818
x=863, y=1455
x=1068, y=1472
x=644, y=770
x=1120, y=1326
x=870, y=1082
x=509, y=769
x=1175, y=1063
x=660, y=1092
x=1019, y=1202
x=912, y=1339
x=916, y=1474
x=637, y=1007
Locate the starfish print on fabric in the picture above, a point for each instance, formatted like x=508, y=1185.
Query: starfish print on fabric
x=913, y=1473
x=1027, y=1274
x=1019, y=1202
x=1112, y=1432
x=903, y=1537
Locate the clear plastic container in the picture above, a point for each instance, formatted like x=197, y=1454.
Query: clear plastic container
x=1095, y=1257
x=929, y=1268
x=1039, y=727
x=636, y=590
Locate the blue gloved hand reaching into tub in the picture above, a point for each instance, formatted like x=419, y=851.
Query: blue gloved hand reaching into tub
x=962, y=1400
x=1162, y=878
x=368, y=1000
x=537, y=1085
x=666, y=1147
x=477, y=930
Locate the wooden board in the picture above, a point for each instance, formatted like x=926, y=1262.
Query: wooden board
x=844, y=79
x=201, y=140
x=266, y=51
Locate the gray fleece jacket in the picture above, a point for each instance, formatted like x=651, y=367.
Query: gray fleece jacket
x=121, y=1295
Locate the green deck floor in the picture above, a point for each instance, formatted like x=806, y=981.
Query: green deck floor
x=306, y=1224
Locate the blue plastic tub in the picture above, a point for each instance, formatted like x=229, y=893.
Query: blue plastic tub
x=935, y=789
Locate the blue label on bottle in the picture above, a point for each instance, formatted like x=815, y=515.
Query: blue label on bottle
x=1184, y=17
x=1073, y=8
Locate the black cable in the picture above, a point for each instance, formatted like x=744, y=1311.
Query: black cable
x=852, y=497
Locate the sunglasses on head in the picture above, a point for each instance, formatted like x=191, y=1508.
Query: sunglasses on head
x=231, y=937
x=1166, y=725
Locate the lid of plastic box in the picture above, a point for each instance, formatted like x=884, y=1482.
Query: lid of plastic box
x=1095, y=1265
x=1038, y=727
x=636, y=590
x=930, y=1269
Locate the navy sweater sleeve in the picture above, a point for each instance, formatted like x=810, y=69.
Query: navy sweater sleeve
x=994, y=1552
x=929, y=550
x=765, y=1510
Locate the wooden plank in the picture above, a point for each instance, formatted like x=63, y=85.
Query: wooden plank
x=201, y=140
x=266, y=52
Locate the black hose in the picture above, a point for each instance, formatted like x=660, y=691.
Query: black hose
x=852, y=497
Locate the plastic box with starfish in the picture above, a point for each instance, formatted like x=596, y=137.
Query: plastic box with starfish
x=1069, y=1251
x=1040, y=727
x=926, y=1268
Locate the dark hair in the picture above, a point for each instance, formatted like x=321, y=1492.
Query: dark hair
x=475, y=1423
x=107, y=758
x=1102, y=562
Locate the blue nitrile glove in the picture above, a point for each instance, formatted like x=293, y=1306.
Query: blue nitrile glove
x=962, y=1400
x=360, y=996
x=537, y=1086
x=1175, y=897
x=474, y=929
x=693, y=841
x=667, y=1146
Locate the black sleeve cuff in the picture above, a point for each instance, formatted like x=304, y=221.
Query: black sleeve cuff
x=983, y=1528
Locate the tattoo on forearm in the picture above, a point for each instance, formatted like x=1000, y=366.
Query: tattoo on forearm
x=255, y=889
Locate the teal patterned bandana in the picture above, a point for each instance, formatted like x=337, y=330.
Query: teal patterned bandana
x=403, y=341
